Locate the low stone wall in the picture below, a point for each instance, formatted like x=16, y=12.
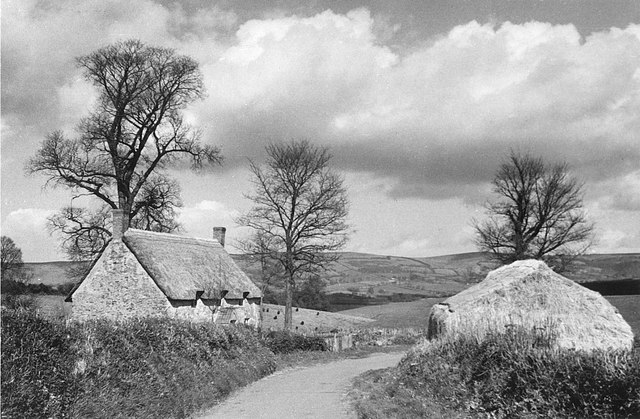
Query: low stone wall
x=338, y=341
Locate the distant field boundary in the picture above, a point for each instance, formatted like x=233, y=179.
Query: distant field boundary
x=630, y=286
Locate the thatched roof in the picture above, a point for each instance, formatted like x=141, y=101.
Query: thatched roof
x=184, y=266
x=529, y=294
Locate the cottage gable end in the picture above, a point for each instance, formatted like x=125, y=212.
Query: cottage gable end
x=118, y=287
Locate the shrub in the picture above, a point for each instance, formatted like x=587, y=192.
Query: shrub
x=143, y=368
x=516, y=374
x=37, y=365
x=283, y=342
x=165, y=368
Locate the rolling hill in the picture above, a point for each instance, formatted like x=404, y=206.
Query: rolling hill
x=378, y=275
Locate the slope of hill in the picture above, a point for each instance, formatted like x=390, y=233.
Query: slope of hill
x=51, y=273
x=305, y=320
x=378, y=275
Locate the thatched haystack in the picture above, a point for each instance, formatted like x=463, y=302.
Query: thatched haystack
x=529, y=294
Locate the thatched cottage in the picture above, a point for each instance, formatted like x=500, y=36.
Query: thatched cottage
x=529, y=294
x=147, y=274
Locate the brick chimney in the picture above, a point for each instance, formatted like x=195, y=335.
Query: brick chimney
x=219, y=234
x=117, y=217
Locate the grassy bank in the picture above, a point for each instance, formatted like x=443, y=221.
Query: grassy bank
x=143, y=369
x=507, y=375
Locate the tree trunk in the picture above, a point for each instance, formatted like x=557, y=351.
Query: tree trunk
x=288, y=314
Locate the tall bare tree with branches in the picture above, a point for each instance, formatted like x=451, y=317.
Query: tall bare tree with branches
x=123, y=147
x=539, y=213
x=300, y=208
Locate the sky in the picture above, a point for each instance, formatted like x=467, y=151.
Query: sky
x=418, y=101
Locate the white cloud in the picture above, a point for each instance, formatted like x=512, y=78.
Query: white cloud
x=198, y=220
x=443, y=114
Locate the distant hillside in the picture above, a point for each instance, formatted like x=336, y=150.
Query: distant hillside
x=369, y=274
x=51, y=273
x=377, y=275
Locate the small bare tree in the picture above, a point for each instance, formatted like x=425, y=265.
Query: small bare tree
x=539, y=214
x=11, y=256
x=300, y=207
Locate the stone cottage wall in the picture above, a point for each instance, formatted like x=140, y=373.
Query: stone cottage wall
x=218, y=311
x=203, y=311
x=118, y=288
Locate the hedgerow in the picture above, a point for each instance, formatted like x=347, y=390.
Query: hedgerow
x=164, y=368
x=283, y=342
x=517, y=374
x=144, y=368
x=37, y=367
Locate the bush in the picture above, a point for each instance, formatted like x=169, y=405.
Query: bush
x=283, y=342
x=143, y=368
x=517, y=374
x=37, y=366
x=165, y=368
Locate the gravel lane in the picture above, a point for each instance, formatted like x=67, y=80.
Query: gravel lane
x=310, y=392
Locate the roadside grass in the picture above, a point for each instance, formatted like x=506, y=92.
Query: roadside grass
x=515, y=374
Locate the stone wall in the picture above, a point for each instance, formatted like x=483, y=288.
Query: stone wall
x=118, y=288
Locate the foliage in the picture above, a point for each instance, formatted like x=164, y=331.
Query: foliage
x=285, y=342
x=299, y=211
x=11, y=259
x=538, y=215
x=37, y=367
x=388, y=336
x=165, y=368
x=516, y=374
x=125, y=146
x=310, y=294
x=13, y=287
x=143, y=368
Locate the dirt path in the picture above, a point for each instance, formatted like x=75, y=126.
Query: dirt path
x=312, y=392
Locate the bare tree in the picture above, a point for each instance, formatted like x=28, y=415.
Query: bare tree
x=135, y=133
x=539, y=214
x=300, y=206
x=11, y=258
x=258, y=247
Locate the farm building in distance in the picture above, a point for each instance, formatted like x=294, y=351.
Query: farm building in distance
x=148, y=274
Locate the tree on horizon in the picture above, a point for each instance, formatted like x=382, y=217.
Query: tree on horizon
x=538, y=214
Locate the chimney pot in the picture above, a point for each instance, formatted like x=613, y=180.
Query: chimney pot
x=219, y=234
x=117, y=216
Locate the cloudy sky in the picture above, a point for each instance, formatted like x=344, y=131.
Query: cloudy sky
x=419, y=102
